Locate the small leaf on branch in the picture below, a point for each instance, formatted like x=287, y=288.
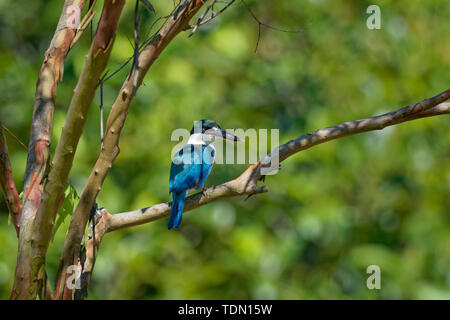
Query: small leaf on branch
x=70, y=201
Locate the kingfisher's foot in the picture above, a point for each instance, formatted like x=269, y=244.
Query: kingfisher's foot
x=263, y=177
x=203, y=190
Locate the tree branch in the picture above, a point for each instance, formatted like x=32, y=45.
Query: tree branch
x=174, y=24
x=246, y=183
x=7, y=183
x=30, y=266
x=411, y=112
x=41, y=129
x=201, y=21
x=95, y=64
x=101, y=221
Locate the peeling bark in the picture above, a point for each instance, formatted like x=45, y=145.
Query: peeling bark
x=26, y=275
x=7, y=183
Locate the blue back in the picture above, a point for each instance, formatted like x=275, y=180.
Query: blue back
x=190, y=167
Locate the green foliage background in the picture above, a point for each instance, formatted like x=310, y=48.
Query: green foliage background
x=378, y=198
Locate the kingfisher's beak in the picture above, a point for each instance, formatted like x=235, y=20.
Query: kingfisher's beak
x=229, y=136
x=223, y=134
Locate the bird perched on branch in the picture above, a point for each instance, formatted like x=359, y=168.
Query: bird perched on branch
x=192, y=164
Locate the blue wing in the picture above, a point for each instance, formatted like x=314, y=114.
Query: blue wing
x=190, y=167
x=209, y=154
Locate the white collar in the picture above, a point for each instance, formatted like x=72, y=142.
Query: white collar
x=196, y=138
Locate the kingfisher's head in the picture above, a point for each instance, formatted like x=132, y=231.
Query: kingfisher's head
x=209, y=130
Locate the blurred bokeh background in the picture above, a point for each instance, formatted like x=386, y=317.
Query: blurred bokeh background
x=379, y=198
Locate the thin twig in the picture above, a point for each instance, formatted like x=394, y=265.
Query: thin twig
x=213, y=15
x=87, y=19
x=15, y=138
x=136, y=48
x=263, y=24
x=200, y=19
x=105, y=78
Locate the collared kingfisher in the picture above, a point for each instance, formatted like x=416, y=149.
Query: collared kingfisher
x=192, y=164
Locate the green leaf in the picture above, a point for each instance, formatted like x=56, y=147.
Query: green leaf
x=70, y=201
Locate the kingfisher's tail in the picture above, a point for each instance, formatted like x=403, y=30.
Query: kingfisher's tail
x=177, y=209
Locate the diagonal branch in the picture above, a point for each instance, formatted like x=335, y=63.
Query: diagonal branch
x=411, y=112
x=7, y=183
x=246, y=183
x=174, y=24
